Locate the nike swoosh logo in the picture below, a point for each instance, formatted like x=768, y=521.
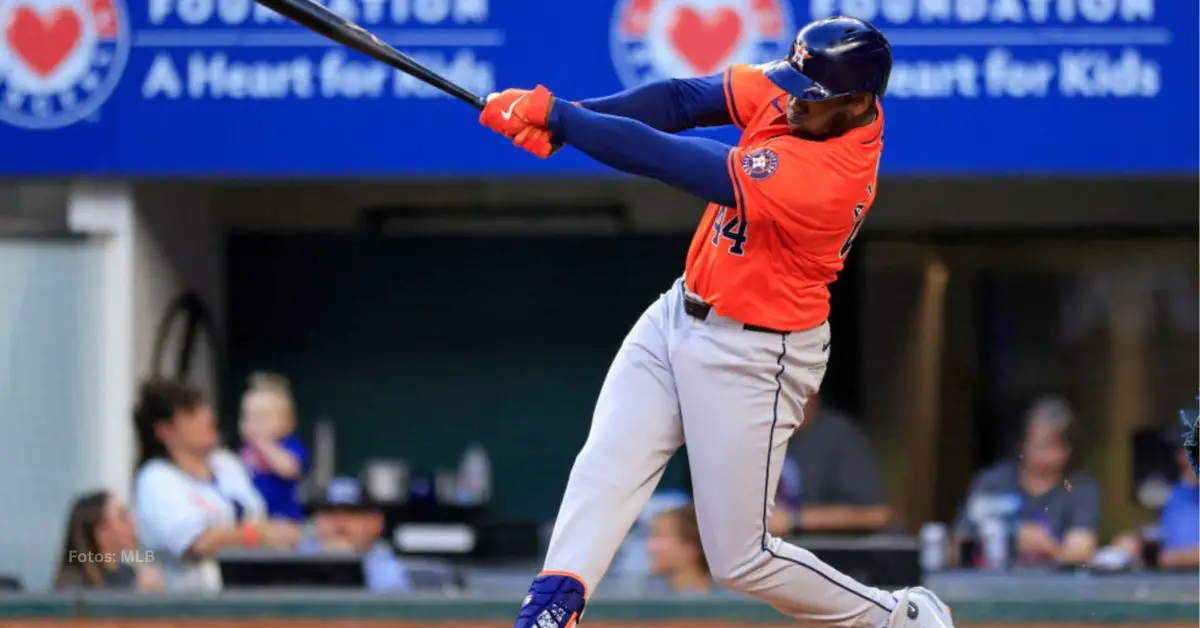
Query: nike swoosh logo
x=507, y=113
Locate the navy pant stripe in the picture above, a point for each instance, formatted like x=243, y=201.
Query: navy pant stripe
x=767, y=485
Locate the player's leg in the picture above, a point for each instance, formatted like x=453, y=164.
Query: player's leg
x=742, y=395
x=635, y=430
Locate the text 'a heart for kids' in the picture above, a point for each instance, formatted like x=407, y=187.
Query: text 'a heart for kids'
x=1071, y=73
x=335, y=74
x=240, y=50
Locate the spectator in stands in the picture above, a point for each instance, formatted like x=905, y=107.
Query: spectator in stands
x=100, y=550
x=675, y=552
x=347, y=519
x=1179, y=521
x=829, y=483
x=1180, y=518
x=275, y=456
x=193, y=498
x=1056, y=517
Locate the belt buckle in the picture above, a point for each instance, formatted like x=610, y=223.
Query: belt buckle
x=696, y=309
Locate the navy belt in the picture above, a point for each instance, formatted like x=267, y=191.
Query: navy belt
x=700, y=310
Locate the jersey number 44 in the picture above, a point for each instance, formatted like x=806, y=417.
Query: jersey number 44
x=733, y=229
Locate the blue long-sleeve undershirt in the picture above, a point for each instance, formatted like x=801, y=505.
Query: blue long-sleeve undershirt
x=696, y=165
x=632, y=132
x=672, y=105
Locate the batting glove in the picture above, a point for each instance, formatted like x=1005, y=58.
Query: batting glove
x=501, y=114
x=537, y=141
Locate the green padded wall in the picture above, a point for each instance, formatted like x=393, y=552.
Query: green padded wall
x=416, y=347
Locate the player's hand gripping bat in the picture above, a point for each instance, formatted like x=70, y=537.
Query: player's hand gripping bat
x=326, y=23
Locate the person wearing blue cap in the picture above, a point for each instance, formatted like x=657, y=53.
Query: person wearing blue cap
x=1179, y=521
x=347, y=519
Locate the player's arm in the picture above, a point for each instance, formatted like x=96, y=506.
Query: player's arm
x=695, y=165
x=672, y=105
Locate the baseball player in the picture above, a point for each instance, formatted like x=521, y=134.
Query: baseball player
x=725, y=359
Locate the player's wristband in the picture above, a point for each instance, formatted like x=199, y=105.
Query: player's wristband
x=250, y=536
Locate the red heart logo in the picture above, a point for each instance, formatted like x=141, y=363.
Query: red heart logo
x=704, y=41
x=43, y=41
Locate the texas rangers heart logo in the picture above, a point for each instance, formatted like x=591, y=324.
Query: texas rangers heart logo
x=657, y=39
x=59, y=59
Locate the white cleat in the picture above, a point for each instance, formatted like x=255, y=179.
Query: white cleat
x=924, y=609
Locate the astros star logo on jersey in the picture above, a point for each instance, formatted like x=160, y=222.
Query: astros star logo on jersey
x=59, y=59
x=658, y=39
x=761, y=163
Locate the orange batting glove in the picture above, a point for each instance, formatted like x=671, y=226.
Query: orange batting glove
x=500, y=115
x=512, y=109
x=534, y=108
x=537, y=141
x=521, y=116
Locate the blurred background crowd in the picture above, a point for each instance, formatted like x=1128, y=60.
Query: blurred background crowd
x=257, y=334
x=200, y=503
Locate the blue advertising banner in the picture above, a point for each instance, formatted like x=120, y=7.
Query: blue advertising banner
x=213, y=88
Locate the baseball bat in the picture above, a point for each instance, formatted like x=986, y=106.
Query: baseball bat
x=326, y=23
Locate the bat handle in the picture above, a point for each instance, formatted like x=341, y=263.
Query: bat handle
x=463, y=94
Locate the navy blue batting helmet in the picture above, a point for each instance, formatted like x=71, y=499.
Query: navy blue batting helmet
x=834, y=57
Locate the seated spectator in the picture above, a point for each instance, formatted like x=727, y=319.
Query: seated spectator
x=1180, y=518
x=275, y=456
x=829, y=483
x=1178, y=522
x=193, y=498
x=675, y=552
x=1056, y=518
x=100, y=550
x=348, y=520
x=633, y=557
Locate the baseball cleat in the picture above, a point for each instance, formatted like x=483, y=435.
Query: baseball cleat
x=924, y=609
x=555, y=600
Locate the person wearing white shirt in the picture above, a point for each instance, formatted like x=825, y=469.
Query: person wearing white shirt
x=192, y=497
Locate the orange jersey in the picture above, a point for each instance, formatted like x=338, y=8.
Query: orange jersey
x=770, y=260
